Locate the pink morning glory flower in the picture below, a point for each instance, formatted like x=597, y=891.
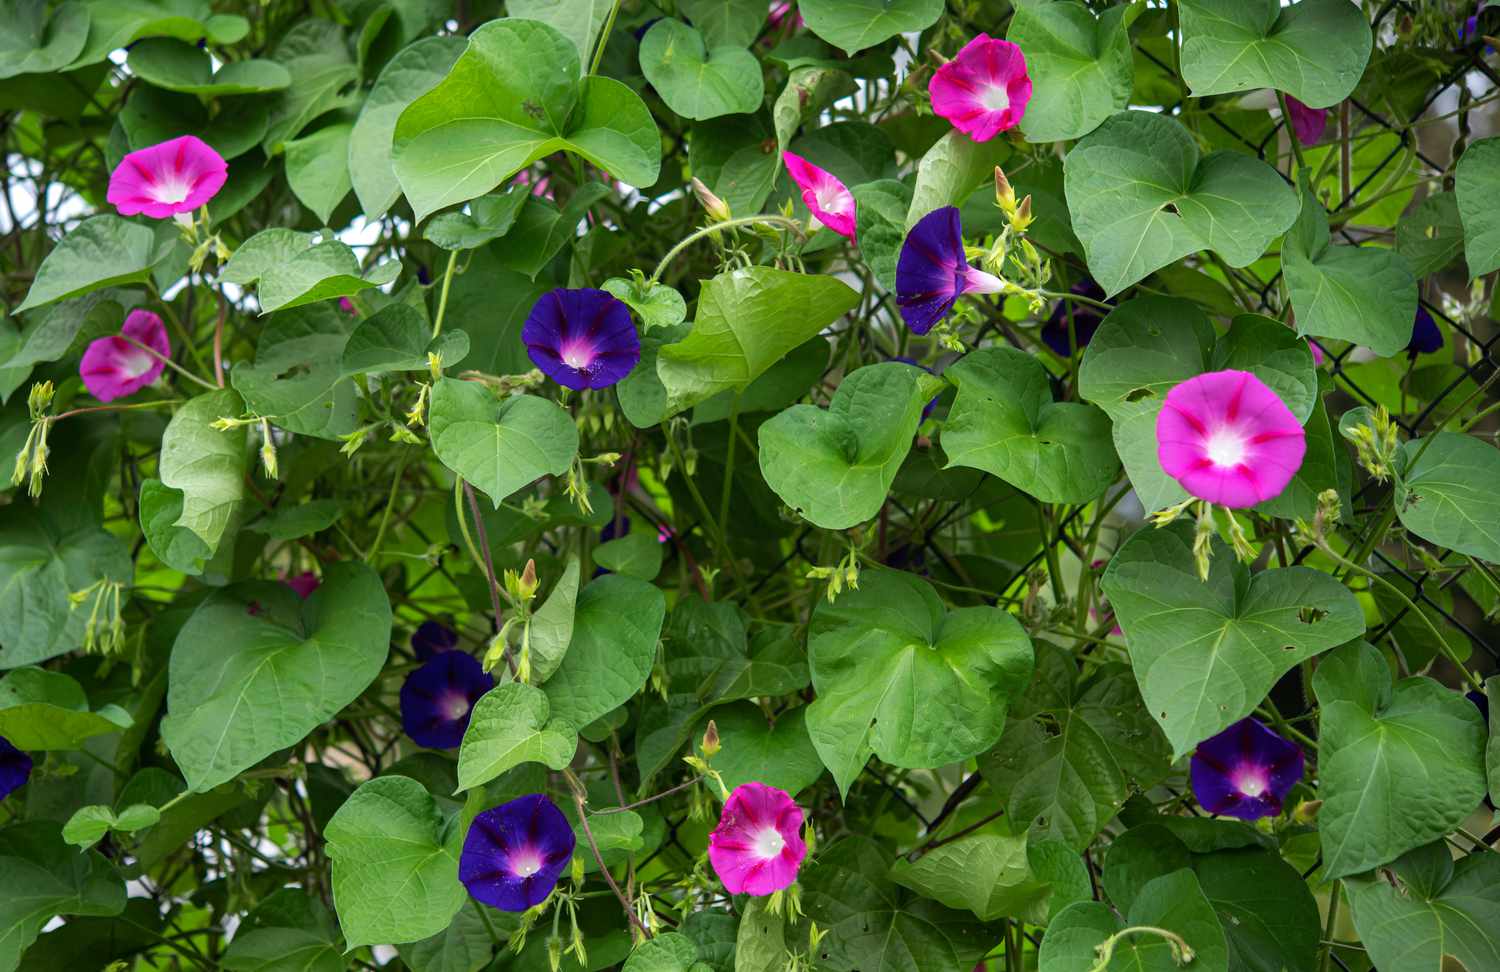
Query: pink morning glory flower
x=1228, y=439
x=581, y=338
x=1318, y=356
x=932, y=271
x=163, y=180
x=984, y=90
x=1246, y=771
x=1308, y=124
x=438, y=697
x=827, y=197
x=113, y=367
x=757, y=846
x=513, y=854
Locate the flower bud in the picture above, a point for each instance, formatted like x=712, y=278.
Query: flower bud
x=711, y=745
x=717, y=209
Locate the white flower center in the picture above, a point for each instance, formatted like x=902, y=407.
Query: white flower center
x=578, y=355
x=524, y=865
x=995, y=98
x=1251, y=784
x=171, y=190
x=768, y=843
x=137, y=363
x=1225, y=447
x=455, y=706
x=830, y=199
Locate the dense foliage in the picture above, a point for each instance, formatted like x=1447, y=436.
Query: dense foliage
x=699, y=487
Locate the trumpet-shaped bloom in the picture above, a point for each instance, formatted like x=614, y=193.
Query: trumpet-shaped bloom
x=1228, y=439
x=828, y=198
x=984, y=90
x=437, y=697
x=1308, y=124
x=1245, y=771
x=1086, y=320
x=113, y=367
x=514, y=853
x=1425, y=335
x=757, y=846
x=432, y=638
x=932, y=271
x=581, y=338
x=163, y=180
x=15, y=768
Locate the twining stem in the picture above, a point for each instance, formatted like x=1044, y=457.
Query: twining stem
x=1075, y=298
x=652, y=799
x=1291, y=134
x=164, y=403
x=1182, y=952
x=1328, y=927
x=489, y=568
x=390, y=503
x=609, y=25
x=437, y=322
x=588, y=833
x=219, y=341
x=766, y=219
x=726, y=492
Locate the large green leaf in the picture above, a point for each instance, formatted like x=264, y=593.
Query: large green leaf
x=997, y=875
x=696, y=80
x=726, y=22
x=499, y=446
x=186, y=514
x=1005, y=422
x=489, y=218
x=255, y=669
x=277, y=949
x=1206, y=653
x=317, y=169
x=1445, y=493
x=578, y=20
x=297, y=379
x=464, y=946
x=398, y=338
x=780, y=754
x=43, y=878
x=1174, y=902
x=1361, y=294
x=1074, y=749
x=509, y=726
x=615, y=630
x=36, y=43
x=395, y=863
x=1314, y=50
x=1398, y=765
x=1436, y=908
x=748, y=320
x=899, y=675
x=1431, y=236
x=1477, y=182
x=316, y=55
x=42, y=710
x=857, y=24
x=1492, y=748
x=102, y=251
x=512, y=97
x=1080, y=66
x=179, y=66
x=835, y=465
x=951, y=170
x=1141, y=198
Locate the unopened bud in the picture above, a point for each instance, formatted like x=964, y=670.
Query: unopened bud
x=1307, y=812
x=1022, y=217
x=716, y=208
x=1005, y=194
x=711, y=745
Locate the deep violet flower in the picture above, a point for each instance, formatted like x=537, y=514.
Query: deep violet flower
x=1228, y=439
x=15, y=768
x=932, y=271
x=1245, y=771
x=1086, y=319
x=1308, y=124
x=304, y=583
x=828, y=198
x=432, y=638
x=581, y=338
x=113, y=367
x=984, y=90
x=757, y=846
x=163, y=180
x=1425, y=335
x=438, y=696
x=514, y=853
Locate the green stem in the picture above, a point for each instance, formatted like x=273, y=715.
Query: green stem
x=1333, y=915
x=609, y=25
x=1291, y=136
x=390, y=503
x=728, y=224
x=170, y=363
x=1182, y=953
x=734, y=425
x=437, y=323
x=1076, y=298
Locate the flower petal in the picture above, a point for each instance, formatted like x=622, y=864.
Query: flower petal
x=984, y=90
x=581, y=338
x=757, y=847
x=437, y=698
x=113, y=367
x=513, y=854
x=931, y=271
x=176, y=176
x=1228, y=439
x=827, y=197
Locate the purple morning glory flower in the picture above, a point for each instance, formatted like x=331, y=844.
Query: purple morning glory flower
x=437, y=698
x=432, y=638
x=514, y=853
x=1425, y=336
x=932, y=271
x=1086, y=319
x=1308, y=124
x=1245, y=771
x=581, y=338
x=15, y=768
x=1481, y=702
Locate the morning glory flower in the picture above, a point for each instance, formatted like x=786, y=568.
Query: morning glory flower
x=581, y=338
x=1245, y=771
x=437, y=697
x=1308, y=124
x=932, y=271
x=1086, y=319
x=303, y=584
x=1228, y=439
x=828, y=198
x=15, y=768
x=432, y=637
x=163, y=180
x=757, y=846
x=514, y=853
x=1425, y=335
x=113, y=367
x=984, y=90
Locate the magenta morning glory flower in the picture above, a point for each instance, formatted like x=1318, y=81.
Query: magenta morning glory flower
x=581, y=338
x=112, y=367
x=304, y=583
x=432, y=637
x=514, y=853
x=1308, y=124
x=15, y=768
x=172, y=177
x=1317, y=353
x=984, y=90
x=1086, y=319
x=438, y=696
x=932, y=271
x=1245, y=771
x=827, y=197
x=1228, y=439
x=757, y=846
x=1425, y=335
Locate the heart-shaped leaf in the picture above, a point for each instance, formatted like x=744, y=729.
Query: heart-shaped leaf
x=615, y=630
x=1005, y=422
x=1438, y=913
x=1206, y=653
x=1081, y=67
x=489, y=218
x=899, y=675
x=1141, y=198
x=509, y=726
x=1314, y=50
x=187, y=512
x=179, y=66
x=35, y=43
x=656, y=304
x=998, y=875
x=1383, y=794
x=1174, y=903
x=779, y=754
x=834, y=466
x=857, y=24
x=255, y=669
x=1477, y=182
x=42, y=710
x=1445, y=493
x=324, y=78
x=102, y=251
x=296, y=379
x=398, y=338
x=1431, y=236
x=44, y=878
x=697, y=81
x=499, y=446
x=552, y=624
x=951, y=170
x=317, y=169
